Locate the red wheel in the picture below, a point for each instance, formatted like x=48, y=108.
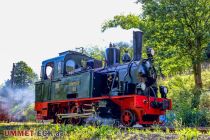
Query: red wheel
x=76, y=120
x=56, y=119
x=128, y=118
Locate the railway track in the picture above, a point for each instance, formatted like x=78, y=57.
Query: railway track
x=203, y=130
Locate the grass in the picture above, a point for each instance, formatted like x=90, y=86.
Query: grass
x=93, y=132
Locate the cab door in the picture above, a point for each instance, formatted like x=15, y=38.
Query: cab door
x=39, y=90
x=56, y=87
x=48, y=78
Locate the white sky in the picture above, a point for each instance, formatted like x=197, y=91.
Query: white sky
x=36, y=30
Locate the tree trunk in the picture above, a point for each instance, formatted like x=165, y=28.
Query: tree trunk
x=197, y=75
x=198, y=85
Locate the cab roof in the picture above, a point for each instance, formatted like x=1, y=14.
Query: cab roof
x=62, y=56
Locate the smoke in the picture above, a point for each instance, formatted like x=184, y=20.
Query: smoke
x=97, y=120
x=18, y=104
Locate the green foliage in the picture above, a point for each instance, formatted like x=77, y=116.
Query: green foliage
x=183, y=24
x=95, y=52
x=23, y=75
x=124, y=47
x=126, y=22
x=188, y=133
x=29, y=113
x=182, y=93
x=206, y=79
x=205, y=100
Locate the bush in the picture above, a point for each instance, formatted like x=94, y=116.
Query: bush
x=190, y=107
x=205, y=100
x=29, y=113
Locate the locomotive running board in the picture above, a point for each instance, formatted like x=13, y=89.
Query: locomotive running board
x=73, y=115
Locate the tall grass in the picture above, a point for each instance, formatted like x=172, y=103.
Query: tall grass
x=102, y=132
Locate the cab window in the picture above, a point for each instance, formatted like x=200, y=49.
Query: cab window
x=49, y=71
x=70, y=67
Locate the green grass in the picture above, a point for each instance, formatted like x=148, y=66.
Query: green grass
x=102, y=132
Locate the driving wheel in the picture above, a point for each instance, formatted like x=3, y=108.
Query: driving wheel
x=128, y=118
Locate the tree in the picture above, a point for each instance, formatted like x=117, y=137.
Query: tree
x=187, y=22
x=178, y=29
x=124, y=47
x=95, y=52
x=126, y=22
x=22, y=75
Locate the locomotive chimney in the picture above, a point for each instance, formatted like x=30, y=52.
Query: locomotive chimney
x=137, y=45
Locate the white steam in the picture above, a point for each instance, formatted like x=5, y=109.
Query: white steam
x=17, y=103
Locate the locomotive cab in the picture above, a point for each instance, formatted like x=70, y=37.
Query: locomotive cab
x=64, y=69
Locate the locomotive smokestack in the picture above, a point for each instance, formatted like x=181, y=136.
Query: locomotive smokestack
x=137, y=45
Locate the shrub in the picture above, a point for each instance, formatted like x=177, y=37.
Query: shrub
x=190, y=107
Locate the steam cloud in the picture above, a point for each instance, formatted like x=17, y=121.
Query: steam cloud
x=16, y=103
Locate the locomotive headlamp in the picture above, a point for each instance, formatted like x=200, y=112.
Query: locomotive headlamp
x=141, y=86
x=163, y=91
x=150, y=52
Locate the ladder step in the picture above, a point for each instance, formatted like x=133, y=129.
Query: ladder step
x=88, y=110
x=87, y=104
x=72, y=115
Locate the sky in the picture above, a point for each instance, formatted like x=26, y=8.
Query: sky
x=33, y=31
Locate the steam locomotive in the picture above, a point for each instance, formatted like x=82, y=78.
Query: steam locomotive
x=74, y=87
